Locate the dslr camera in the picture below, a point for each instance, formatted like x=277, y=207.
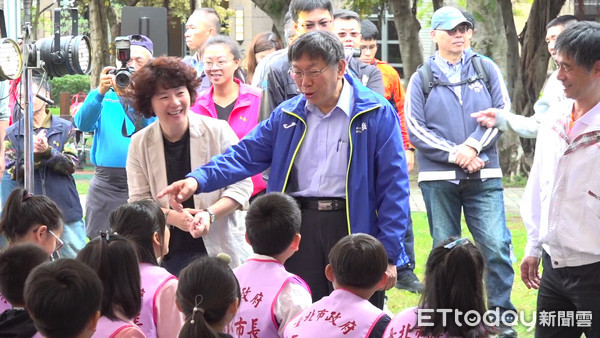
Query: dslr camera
x=123, y=74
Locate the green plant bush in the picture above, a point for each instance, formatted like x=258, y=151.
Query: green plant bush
x=72, y=84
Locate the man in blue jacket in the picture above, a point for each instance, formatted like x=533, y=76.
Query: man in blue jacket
x=337, y=148
x=458, y=159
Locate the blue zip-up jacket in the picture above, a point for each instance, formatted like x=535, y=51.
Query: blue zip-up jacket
x=377, y=178
x=104, y=115
x=436, y=126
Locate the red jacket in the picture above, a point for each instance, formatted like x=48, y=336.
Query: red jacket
x=243, y=117
x=395, y=93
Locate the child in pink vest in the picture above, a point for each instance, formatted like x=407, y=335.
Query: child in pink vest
x=271, y=296
x=357, y=266
x=453, y=280
x=143, y=223
x=115, y=261
x=208, y=294
x=64, y=299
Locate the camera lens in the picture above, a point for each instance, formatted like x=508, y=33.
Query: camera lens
x=122, y=78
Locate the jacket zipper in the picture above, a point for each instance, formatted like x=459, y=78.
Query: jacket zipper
x=350, y=161
x=287, y=175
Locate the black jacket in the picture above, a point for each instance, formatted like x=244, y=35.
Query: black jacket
x=16, y=324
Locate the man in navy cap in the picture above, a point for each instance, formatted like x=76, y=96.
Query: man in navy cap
x=112, y=121
x=458, y=159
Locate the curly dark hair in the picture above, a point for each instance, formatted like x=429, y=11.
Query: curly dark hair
x=164, y=72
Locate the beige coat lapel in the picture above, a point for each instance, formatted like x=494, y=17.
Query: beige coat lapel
x=156, y=154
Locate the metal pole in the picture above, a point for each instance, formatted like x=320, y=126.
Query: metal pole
x=28, y=112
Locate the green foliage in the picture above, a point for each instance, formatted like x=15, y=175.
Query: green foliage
x=514, y=181
x=69, y=84
x=365, y=8
x=225, y=14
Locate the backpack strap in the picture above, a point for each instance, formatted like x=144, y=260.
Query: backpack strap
x=481, y=72
x=428, y=82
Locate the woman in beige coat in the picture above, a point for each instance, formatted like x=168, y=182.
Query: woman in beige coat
x=171, y=147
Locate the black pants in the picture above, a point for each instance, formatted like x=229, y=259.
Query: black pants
x=566, y=292
x=320, y=231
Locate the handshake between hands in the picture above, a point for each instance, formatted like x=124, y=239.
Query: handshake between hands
x=194, y=221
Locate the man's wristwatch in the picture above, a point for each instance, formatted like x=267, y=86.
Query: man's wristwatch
x=210, y=213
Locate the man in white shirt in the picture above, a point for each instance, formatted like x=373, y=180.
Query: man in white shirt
x=552, y=93
x=561, y=203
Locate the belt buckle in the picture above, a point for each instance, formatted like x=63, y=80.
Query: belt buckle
x=325, y=205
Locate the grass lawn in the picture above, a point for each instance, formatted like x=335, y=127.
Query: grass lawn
x=523, y=299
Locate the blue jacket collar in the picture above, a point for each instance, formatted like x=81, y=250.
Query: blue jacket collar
x=362, y=101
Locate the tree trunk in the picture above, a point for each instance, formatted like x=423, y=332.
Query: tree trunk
x=35, y=21
x=408, y=28
x=488, y=38
x=115, y=30
x=99, y=38
x=529, y=76
x=276, y=11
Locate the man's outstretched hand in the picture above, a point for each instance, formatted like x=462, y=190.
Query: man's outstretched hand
x=179, y=191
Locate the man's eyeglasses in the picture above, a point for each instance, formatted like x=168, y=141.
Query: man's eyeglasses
x=312, y=25
x=343, y=35
x=369, y=47
x=313, y=74
x=218, y=65
x=460, y=28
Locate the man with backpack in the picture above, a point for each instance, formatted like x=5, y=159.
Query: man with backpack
x=458, y=159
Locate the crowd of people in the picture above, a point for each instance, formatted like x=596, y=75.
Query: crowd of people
x=274, y=201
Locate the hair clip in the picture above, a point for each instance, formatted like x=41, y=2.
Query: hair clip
x=105, y=235
x=197, y=308
x=459, y=241
x=26, y=196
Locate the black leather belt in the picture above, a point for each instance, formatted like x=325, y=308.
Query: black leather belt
x=321, y=204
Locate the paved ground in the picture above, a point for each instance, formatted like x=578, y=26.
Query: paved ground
x=512, y=200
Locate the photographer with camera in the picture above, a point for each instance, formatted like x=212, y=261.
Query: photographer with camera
x=112, y=120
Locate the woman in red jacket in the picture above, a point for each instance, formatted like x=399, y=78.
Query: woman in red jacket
x=228, y=98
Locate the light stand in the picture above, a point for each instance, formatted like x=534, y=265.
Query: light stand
x=28, y=113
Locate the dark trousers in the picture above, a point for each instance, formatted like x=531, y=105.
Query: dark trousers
x=566, y=292
x=320, y=231
x=175, y=262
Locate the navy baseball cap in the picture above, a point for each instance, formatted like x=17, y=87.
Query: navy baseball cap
x=447, y=18
x=142, y=40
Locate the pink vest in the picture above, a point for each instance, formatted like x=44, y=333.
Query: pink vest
x=341, y=314
x=107, y=328
x=4, y=304
x=243, y=118
x=261, y=282
x=153, y=279
x=403, y=325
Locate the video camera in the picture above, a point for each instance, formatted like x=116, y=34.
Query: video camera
x=351, y=52
x=123, y=74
